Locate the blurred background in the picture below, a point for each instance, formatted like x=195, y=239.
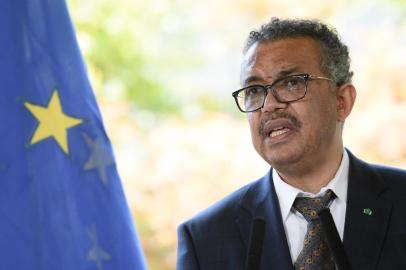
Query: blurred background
x=163, y=72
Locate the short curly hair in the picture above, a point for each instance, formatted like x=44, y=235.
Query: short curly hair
x=335, y=57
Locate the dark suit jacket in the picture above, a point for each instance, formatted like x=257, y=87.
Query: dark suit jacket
x=217, y=238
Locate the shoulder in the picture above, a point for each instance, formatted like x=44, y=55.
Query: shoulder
x=205, y=238
x=386, y=174
x=395, y=178
x=389, y=172
x=391, y=179
x=223, y=211
x=389, y=175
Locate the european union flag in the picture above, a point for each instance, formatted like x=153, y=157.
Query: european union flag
x=61, y=201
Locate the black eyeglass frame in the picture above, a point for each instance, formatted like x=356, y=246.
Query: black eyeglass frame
x=305, y=77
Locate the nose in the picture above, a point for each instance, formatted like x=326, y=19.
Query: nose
x=271, y=104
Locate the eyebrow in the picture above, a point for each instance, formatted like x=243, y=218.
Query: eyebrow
x=286, y=72
x=281, y=74
x=252, y=79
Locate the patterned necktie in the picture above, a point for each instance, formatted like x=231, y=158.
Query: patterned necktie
x=315, y=253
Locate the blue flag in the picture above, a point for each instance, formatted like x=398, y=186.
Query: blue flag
x=62, y=205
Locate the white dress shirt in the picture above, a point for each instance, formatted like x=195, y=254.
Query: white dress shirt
x=294, y=222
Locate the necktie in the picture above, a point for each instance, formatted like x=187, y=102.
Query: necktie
x=315, y=253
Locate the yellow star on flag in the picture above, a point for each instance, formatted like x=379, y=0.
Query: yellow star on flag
x=52, y=122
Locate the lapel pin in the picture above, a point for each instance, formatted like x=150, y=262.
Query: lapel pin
x=367, y=211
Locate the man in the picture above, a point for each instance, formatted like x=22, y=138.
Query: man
x=297, y=93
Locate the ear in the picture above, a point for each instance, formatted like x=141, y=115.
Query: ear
x=346, y=95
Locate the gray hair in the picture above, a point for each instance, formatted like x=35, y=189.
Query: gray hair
x=335, y=60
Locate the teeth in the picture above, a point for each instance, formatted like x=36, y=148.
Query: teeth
x=278, y=132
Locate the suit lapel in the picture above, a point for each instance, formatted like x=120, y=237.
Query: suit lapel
x=366, y=222
x=261, y=201
x=367, y=215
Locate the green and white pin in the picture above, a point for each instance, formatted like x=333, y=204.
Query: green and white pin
x=367, y=211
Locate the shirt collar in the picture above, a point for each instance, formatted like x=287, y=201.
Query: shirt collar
x=287, y=193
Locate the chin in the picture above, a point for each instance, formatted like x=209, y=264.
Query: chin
x=281, y=158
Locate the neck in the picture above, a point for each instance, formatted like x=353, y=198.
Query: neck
x=312, y=177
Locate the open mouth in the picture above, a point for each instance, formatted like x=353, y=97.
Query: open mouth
x=278, y=131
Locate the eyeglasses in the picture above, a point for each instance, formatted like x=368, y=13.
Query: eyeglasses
x=287, y=89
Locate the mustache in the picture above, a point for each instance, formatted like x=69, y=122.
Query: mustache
x=279, y=115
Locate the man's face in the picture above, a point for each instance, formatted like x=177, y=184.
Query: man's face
x=296, y=135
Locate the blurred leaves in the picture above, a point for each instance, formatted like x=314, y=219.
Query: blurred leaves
x=129, y=48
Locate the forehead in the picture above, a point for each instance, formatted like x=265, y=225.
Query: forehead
x=269, y=60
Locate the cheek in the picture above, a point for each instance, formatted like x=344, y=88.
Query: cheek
x=313, y=117
x=323, y=106
x=254, y=122
x=329, y=113
x=321, y=120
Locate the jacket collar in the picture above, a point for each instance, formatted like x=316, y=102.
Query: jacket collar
x=260, y=201
x=363, y=233
x=367, y=215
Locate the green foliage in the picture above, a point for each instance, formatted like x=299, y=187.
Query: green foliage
x=121, y=42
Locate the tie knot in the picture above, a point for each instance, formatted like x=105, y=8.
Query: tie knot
x=309, y=207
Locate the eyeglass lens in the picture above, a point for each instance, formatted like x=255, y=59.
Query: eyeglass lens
x=285, y=90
